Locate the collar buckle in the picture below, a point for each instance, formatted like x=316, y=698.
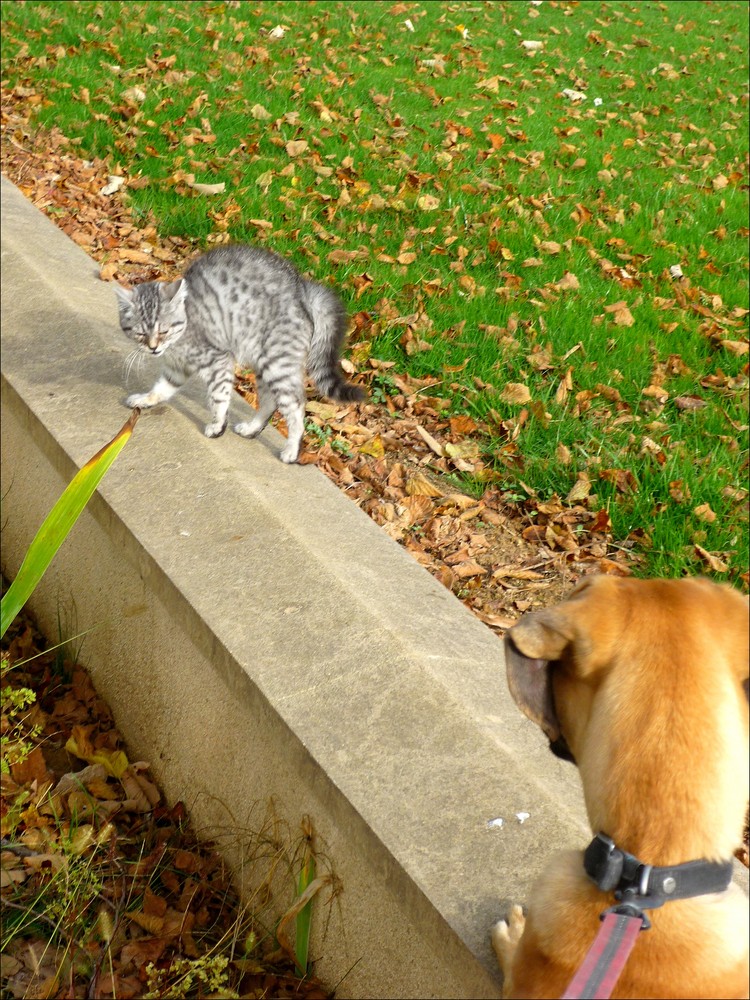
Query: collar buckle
x=604, y=862
x=646, y=887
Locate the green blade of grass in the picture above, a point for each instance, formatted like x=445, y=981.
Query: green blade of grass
x=304, y=917
x=59, y=522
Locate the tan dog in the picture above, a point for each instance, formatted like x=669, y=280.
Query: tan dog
x=643, y=681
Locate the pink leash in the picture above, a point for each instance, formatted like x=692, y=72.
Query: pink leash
x=605, y=959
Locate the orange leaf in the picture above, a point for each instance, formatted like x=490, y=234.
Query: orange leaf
x=704, y=512
x=468, y=569
x=601, y=522
x=33, y=768
x=463, y=425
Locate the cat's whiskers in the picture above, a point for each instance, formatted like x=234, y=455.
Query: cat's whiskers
x=133, y=360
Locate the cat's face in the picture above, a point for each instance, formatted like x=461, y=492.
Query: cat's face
x=153, y=314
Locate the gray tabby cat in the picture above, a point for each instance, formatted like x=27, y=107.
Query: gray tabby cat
x=246, y=306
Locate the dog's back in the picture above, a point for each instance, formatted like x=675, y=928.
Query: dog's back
x=646, y=683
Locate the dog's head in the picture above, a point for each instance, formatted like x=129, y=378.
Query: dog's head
x=562, y=654
x=625, y=668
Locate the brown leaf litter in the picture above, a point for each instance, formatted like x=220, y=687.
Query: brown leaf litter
x=106, y=891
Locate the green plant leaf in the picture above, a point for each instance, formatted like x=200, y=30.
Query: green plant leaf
x=58, y=523
x=304, y=917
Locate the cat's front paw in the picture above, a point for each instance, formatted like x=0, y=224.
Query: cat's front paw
x=215, y=430
x=289, y=455
x=505, y=937
x=247, y=429
x=142, y=400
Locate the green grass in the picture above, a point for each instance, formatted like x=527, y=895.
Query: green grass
x=469, y=165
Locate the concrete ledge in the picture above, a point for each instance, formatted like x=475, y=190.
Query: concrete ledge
x=260, y=637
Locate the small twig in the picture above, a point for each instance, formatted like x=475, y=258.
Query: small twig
x=541, y=562
x=25, y=909
x=19, y=849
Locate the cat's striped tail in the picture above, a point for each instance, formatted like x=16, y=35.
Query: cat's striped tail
x=329, y=322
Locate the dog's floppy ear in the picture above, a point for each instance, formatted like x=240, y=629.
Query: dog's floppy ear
x=530, y=647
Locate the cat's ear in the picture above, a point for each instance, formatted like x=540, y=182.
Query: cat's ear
x=174, y=292
x=124, y=295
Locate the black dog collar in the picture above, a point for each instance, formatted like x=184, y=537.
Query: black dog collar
x=646, y=886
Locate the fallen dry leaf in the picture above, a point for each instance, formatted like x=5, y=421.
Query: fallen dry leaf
x=568, y=282
x=465, y=455
x=705, y=513
x=622, y=479
x=295, y=147
x=374, y=447
x=207, y=188
x=430, y=441
x=515, y=393
x=737, y=347
x=419, y=485
x=469, y=568
x=134, y=95
x=689, y=402
x=516, y=573
x=428, y=202
x=549, y=247
x=114, y=183
x=621, y=315
x=713, y=562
